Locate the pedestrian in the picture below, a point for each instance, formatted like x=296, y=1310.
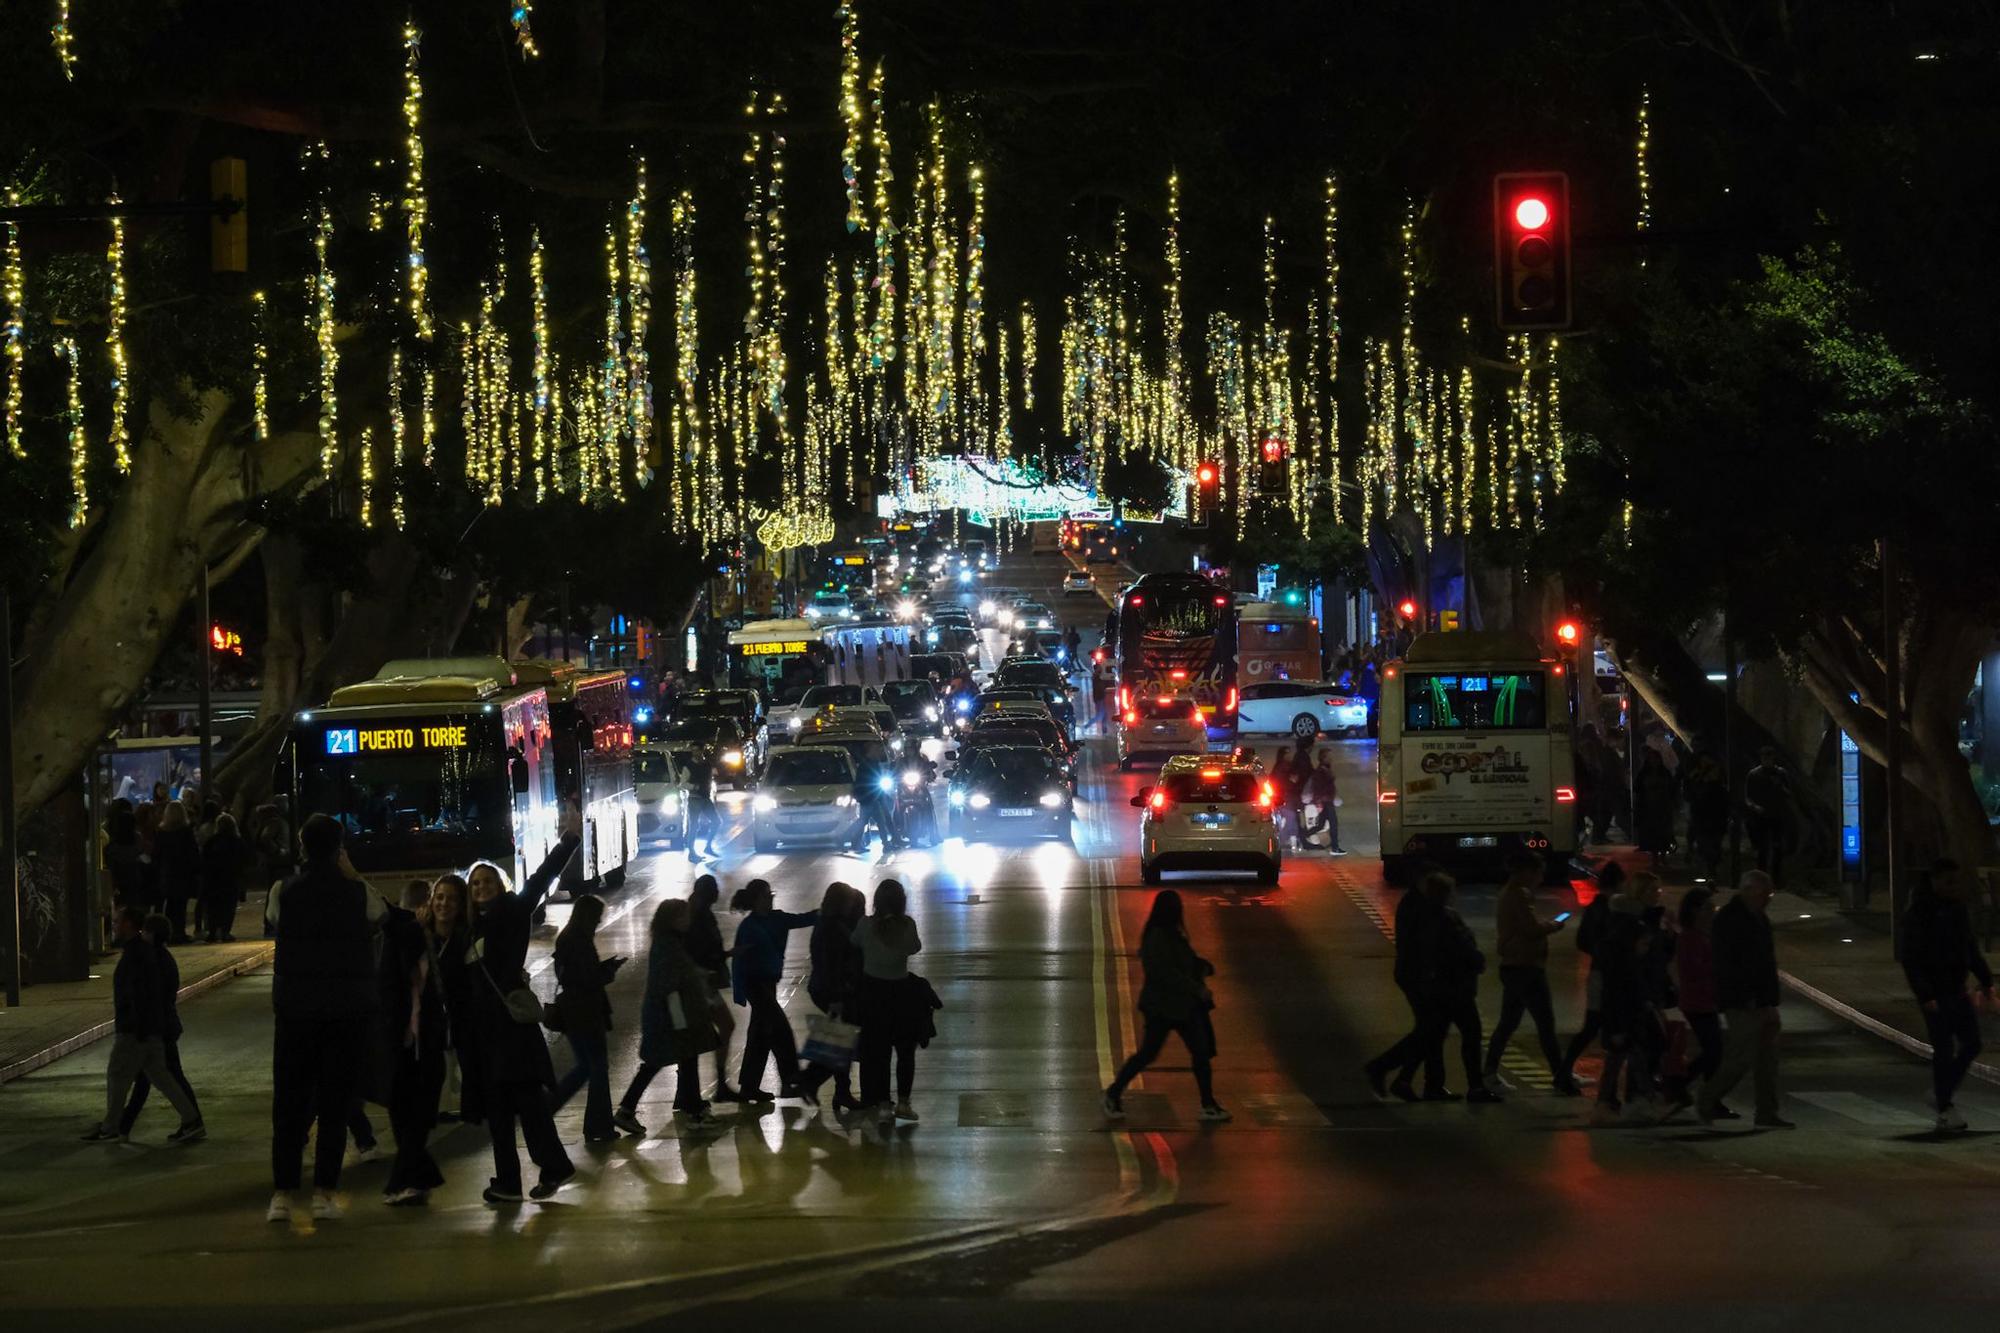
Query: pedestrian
x=1656, y=800
x=1767, y=812
x=1746, y=989
x=516, y=1072
x=676, y=1021
x=1610, y=878
x=704, y=945
x=1285, y=796
x=139, y=1035
x=834, y=984
x=224, y=858
x=893, y=1007
x=1708, y=815
x=583, y=1004
x=1939, y=951
x=177, y=861
x=1624, y=1007
x=1295, y=786
x=272, y=834
x=1694, y=968
x=158, y=932
x=323, y=993
x=411, y=1041
x=146, y=821
x=1523, y=944
x=1175, y=998
x=447, y=923
x=1419, y=924
x=702, y=821
x=1460, y=963
x=1323, y=792
x=758, y=963
x=124, y=860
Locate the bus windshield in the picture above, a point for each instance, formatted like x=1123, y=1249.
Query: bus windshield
x=1279, y=636
x=1474, y=701
x=417, y=809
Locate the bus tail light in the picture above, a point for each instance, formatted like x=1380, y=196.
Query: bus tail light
x=1386, y=798
x=1229, y=700
x=1565, y=795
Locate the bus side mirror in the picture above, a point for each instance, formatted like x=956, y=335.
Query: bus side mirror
x=517, y=771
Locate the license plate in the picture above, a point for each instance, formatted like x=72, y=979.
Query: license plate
x=1488, y=841
x=1165, y=731
x=1018, y=812
x=1212, y=820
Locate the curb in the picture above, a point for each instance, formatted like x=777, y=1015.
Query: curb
x=1876, y=1027
x=48, y=1055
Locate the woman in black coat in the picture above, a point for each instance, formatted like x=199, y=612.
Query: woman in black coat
x=411, y=1041
x=512, y=1057
x=224, y=858
x=177, y=862
x=583, y=1000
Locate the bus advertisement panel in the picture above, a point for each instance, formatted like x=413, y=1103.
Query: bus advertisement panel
x=1276, y=642
x=1177, y=634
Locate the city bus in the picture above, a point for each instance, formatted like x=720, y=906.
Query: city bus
x=1177, y=634
x=1277, y=642
x=1474, y=758
x=431, y=770
x=591, y=716
x=780, y=659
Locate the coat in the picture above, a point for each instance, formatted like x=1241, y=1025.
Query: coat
x=836, y=964
x=760, y=947
x=1522, y=938
x=1176, y=988
x=1746, y=958
x=177, y=858
x=1617, y=962
x=1459, y=960
x=135, y=989
x=677, y=988
x=497, y=956
x=1940, y=949
x=583, y=981
x=1418, y=922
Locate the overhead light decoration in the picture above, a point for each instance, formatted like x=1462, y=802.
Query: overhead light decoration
x=851, y=114
x=1029, y=344
x=685, y=426
x=428, y=425
x=522, y=15
x=882, y=326
x=14, y=286
x=114, y=346
x=540, y=447
x=79, y=443
x=366, y=445
x=611, y=375
x=416, y=203
x=1333, y=343
x=323, y=335
x=638, y=316
x=64, y=40
x=397, y=437
x=260, y=363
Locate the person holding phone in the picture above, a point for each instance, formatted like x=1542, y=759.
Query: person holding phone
x=1524, y=976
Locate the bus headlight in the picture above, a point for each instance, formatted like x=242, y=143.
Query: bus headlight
x=1052, y=800
x=764, y=804
x=979, y=800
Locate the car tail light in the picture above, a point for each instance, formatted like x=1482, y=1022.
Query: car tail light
x=1131, y=716
x=1229, y=700
x=1564, y=795
x=1387, y=797
x=1124, y=697
x=1266, y=796
x=1338, y=702
x=1158, y=801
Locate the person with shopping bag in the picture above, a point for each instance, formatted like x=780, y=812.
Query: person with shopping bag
x=834, y=985
x=676, y=1022
x=893, y=1009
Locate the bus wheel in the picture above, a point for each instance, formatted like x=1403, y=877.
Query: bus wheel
x=1306, y=727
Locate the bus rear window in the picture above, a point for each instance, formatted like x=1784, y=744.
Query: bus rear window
x=1474, y=701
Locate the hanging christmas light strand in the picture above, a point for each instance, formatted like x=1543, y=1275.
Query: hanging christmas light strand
x=64, y=40
x=539, y=447
x=114, y=346
x=522, y=15
x=851, y=114
x=79, y=443
x=416, y=203
x=329, y=351
x=260, y=362
x=397, y=437
x=638, y=318
x=14, y=285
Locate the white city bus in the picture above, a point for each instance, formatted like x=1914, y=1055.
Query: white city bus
x=1475, y=755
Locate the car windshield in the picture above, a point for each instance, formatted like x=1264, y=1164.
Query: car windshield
x=1158, y=707
x=709, y=705
x=836, y=696
x=1214, y=786
x=817, y=767
x=926, y=664
x=913, y=693
x=986, y=738
x=703, y=729
x=1044, y=731
x=1011, y=766
x=652, y=766
x=1032, y=673
x=862, y=751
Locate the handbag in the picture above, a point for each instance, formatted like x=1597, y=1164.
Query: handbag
x=522, y=1004
x=830, y=1042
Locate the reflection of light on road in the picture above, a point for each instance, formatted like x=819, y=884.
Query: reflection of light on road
x=914, y=865
x=973, y=864
x=1055, y=865
x=772, y=1127
x=732, y=798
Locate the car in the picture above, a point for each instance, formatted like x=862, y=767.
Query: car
x=877, y=721
x=806, y=797
x=915, y=704
x=1010, y=791
x=1056, y=697
x=1303, y=708
x=786, y=719
x=1020, y=701
x=1030, y=615
x=1078, y=581
x=1160, y=724
x=1048, y=735
x=734, y=753
x=932, y=666
x=660, y=784
x=746, y=706
x=1207, y=813
x=992, y=603
x=829, y=604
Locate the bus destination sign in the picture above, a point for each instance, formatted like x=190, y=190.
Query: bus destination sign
x=383, y=740
x=774, y=648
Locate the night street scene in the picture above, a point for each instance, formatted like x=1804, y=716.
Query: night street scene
x=999, y=665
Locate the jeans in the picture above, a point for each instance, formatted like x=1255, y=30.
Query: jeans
x=315, y=1065
x=132, y=1056
x=880, y=1003
x=1525, y=988
x=1706, y=1030
x=592, y=1068
x=417, y=1084
x=1749, y=1046
x=1593, y=1024
x=143, y=1085
x=1953, y=1028
x=687, y=1086
x=1415, y=1046
x=1194, y=1035
x=767, y=1033
x=1446, y=1012
x=1768, y=837
x=529, y=1104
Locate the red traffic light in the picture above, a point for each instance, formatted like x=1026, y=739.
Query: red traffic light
x=1531, y=250
x=1531, y=212
x=1205, y=474
x=1407, y=609
x=1274, y=449
x=1569, y=634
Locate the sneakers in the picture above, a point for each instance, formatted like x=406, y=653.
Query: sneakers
x=1441, y=1095
x=754, y=1096
x=372, y=1153
x=280, y=1209
x=725, y=1093
x=905, y=1111
x=1215, y=1114
x=628, y=1121
x=1483, y=1095
x=408, y=1198
x=1949, y=1121
x=497, y=1193
x=551, y=1181
x=1114, y=1107
x=99, y=1134
x=1493, y=1078
x=191, y=1132
x=698, y=1119
x=326, y=1208
x=844, y=1102
x=1402, y=1090
x=1567, y=1087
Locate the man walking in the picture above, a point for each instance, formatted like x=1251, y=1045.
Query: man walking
x=138, y=1042
x=1939, y=950
x=323, y=993
x=1324, y=792
x=1746, y=988
x=1419, y=925
x=1523, y=942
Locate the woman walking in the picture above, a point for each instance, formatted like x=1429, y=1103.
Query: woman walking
x=514, y=1059
x=704, y=945
x=177, y=862
x=676, y=1021
x=1175, y=998
x=412, y=1040
x=1694, y=965
x=759, y=958
x=834, y=983
x=893, y=1005
x=1631, y=1023
x=224, y=859
x=583, y=999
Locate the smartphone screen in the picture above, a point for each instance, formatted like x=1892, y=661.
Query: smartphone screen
x=1561, y=917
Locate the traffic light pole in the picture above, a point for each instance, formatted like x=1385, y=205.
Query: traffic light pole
x=205, y=712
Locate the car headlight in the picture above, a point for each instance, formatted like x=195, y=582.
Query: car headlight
x=906, y=608
x=844, y=801
x=979, y=800
x=670, y=805
x=1052, y=800
x=912, y=779
x=986, y=608
x=764, y=803
x=965, y=705
x=896, y=744
x=794, y=723
x=732, y=758
x=930, y=713
x=965, y=576
x=957, y=799
x=886, y=783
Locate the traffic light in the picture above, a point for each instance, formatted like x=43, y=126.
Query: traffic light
x=1569, y=634
x=1531, y=249
x=1407, y=608
x=1207, y=476
x=1274, y=449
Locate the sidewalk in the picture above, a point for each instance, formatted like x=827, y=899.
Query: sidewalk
x=63, y=1017
x=1841, y=961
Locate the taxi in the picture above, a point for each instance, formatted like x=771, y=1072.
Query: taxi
x=1209, y=813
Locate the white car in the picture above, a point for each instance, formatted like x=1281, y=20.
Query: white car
x=786, y=719
x=806, y=796
x=661, y=787
x=1208, y=814
x=1029, y=616
x=829, y=605
x=1077, y=581
x=1161, y=724
x=1302, y=708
